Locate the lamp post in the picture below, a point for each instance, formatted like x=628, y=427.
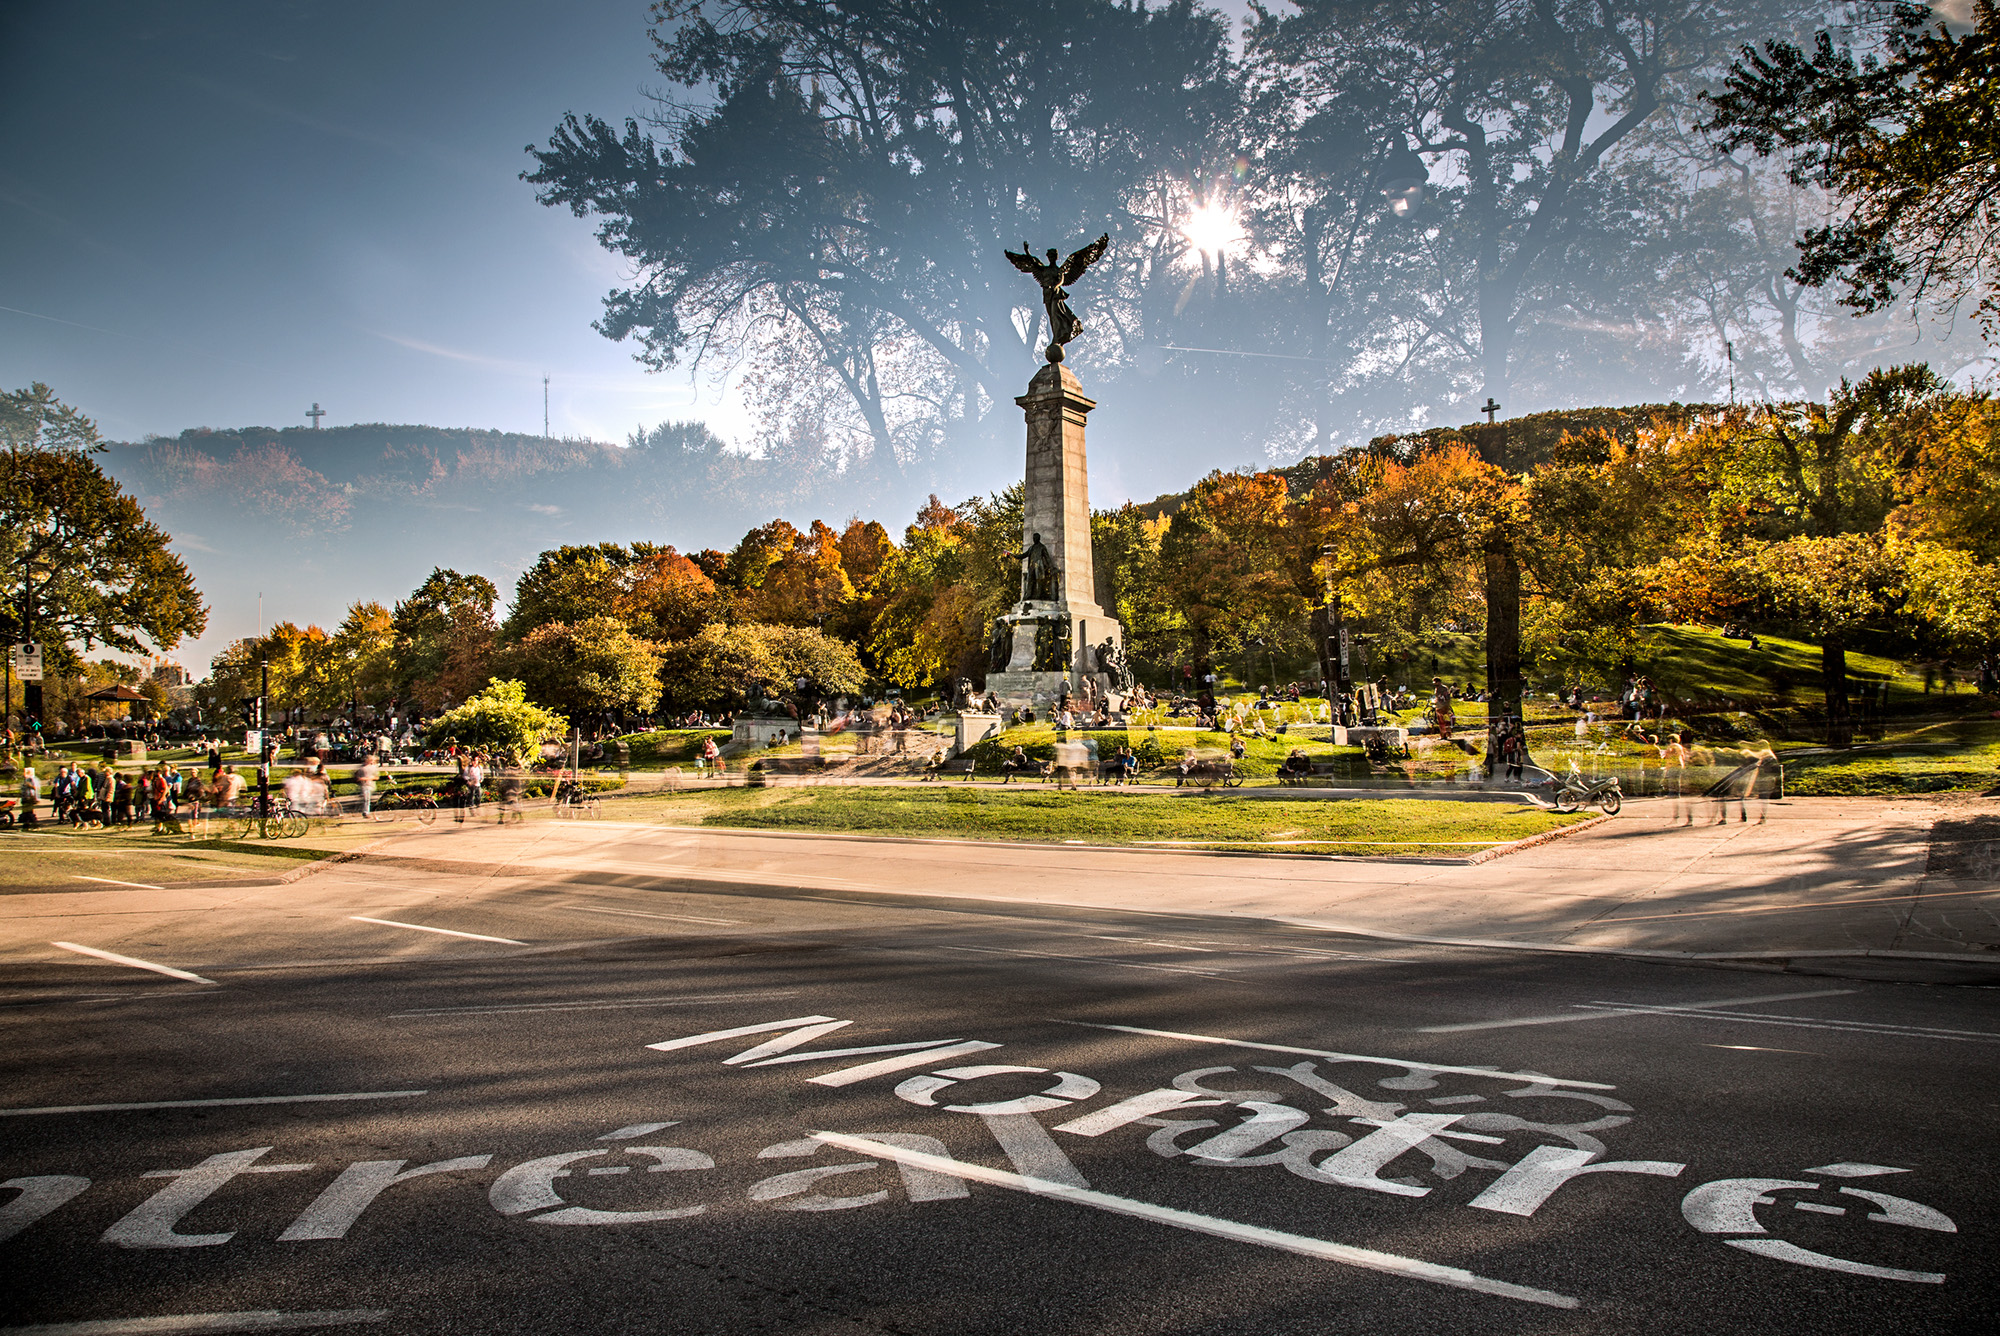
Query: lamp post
x=264, y=750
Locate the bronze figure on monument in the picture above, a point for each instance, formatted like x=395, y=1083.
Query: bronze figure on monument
x=1038, y=572
x=1064, y=324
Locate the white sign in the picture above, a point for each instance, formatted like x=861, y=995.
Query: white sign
x=27, y=660
x=253, y=741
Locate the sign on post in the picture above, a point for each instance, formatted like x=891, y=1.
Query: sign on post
x=27, y=661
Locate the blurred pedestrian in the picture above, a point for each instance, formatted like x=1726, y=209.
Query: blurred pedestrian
x=366, y=777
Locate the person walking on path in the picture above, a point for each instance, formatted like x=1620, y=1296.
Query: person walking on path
x=31, y=794
x=370, y=772
x=1513, y=749
x=192, y=793
x=1441, y=707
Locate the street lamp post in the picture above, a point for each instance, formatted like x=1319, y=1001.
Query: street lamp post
x=264, y=751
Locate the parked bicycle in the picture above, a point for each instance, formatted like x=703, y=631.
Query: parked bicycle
x=419, y=803
x=272, y=819
x=573, y=800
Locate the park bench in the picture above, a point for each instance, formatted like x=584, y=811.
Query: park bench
x=773, y=767
x=954, y=765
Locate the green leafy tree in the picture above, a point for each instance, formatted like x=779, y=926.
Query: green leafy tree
x=1953, y=597
x=366, y=642
x=588, y=669
x=499, y=719
x=83, y=565
x=569, y=584
x=444, y=635
x=730, y=665
x=34, y=419
x=1830, y=589
x=1905, y=136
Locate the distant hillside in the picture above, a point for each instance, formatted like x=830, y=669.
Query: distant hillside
x=310, y=485
x=1516, y=445
x=314, y=520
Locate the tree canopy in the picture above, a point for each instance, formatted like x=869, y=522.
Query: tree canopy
x=1906, y=137
x=84, y=566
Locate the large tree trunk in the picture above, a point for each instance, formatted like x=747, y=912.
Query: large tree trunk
x=1833, y=673
x=1503, y=638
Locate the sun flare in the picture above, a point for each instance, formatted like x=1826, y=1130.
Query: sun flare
x=1212, y=227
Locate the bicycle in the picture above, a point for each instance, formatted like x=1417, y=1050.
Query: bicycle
x=277, y=820
x=572, y=800
x=420, y=803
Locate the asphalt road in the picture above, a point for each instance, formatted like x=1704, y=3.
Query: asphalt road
x=946, y=1117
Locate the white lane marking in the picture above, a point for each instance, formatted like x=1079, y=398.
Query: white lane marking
x=641, y=913
x=1202, y=1224
x=1407, y=1063
x=1148, y=941
x=1339, y=955
x=113, y=881
x=266, y=1320
x=594, y=1006
x=1570, y=1017
x=1803, y=1023
x=850, y=1075
x=133, y=961
x=1087, y=960
x=443, y=932
x=1753, y=1048
x=213, y=1103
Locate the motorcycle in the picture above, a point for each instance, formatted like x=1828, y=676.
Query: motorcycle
x=1573, y=792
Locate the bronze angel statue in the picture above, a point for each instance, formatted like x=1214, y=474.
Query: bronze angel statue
x=1055, y=279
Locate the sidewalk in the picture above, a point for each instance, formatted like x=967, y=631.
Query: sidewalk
x=1881, y=888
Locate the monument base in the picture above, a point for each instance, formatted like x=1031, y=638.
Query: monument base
x=1041, y=645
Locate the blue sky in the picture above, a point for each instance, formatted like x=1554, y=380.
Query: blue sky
x=217, y=213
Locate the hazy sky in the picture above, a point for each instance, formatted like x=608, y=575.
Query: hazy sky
x=216, y=213
x=219, y=212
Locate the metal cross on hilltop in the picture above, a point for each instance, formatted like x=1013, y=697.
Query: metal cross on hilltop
x=1489, y=408
x=316, y=413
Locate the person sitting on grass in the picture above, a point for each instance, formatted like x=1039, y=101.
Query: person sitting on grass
x=1236, y=747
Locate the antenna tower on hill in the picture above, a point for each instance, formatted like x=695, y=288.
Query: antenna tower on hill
x=545, y=408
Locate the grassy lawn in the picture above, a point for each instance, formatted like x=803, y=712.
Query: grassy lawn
x=1962, y=754
x=1696, y=663
x=668, y=746
x=70, y=860
x=1373, y=827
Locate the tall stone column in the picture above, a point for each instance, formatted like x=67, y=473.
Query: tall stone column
x=1057, y=502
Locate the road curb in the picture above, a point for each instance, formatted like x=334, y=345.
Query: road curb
x=1530, y=841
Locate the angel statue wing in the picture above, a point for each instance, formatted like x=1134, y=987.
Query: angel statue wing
x=1025, y=261
x=1081, y=260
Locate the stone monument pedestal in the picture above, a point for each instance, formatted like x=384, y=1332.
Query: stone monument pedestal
x=751, y=732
